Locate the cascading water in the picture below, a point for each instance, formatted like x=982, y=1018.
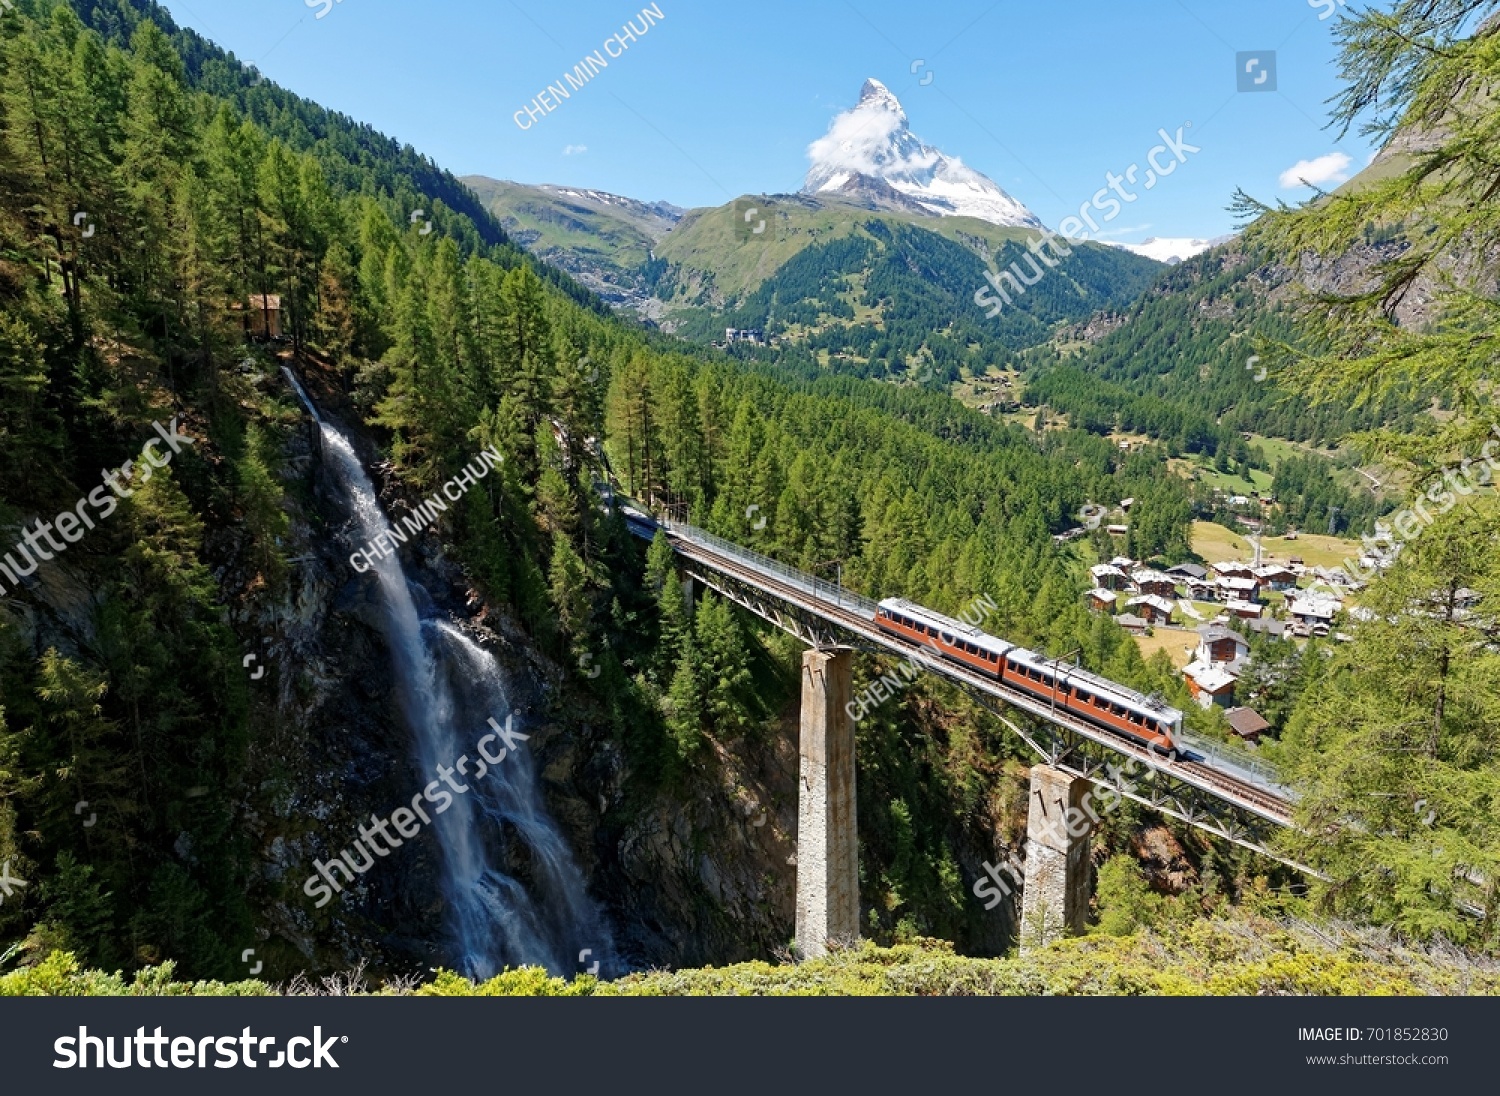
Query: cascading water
x=450, y=689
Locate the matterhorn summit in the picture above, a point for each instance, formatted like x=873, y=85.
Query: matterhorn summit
x=871, y=155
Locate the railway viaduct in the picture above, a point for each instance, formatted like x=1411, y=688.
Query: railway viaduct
x=1209, y=788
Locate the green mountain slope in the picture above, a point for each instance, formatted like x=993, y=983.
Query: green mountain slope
x=604, y=241
x=878, y=293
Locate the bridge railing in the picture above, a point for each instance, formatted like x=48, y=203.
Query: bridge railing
x=1223, y=755
x=839, y=595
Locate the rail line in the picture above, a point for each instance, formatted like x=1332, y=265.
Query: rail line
x=711, y=559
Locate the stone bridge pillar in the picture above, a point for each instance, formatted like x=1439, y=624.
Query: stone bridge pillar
x=827, y=835
x=1055, y=897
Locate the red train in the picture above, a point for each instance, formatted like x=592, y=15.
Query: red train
x=1094, y=699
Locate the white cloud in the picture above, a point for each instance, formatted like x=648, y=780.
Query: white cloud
x=860, y=141
x=1332, y=168
x=575, y=150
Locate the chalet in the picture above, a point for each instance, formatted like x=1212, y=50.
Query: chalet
x=1220, y=647
x=1210, y=685
x=1126, y=504
x=1109, y=577
x=1156, y=610
x=1337, y=576
x=1245, y=610
x=1236, y=588
x=1277, y=577
x=1186, y=571
x=1124, y=563
x=1132, y=623
x=263, y=316
x=1263, y=626
x=1234, y=570
x=1313, y=611
x=1296, y=563
x=1154, y=582
x=1202, y=589
x=1102, y=600
x=1247, y=724
x=1117, y=530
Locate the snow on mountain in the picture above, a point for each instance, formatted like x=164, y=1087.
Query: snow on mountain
x=869, y=151
x=1171, y=249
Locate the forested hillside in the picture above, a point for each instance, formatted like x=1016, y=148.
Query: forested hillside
x=894, y=298
x=1178, y=363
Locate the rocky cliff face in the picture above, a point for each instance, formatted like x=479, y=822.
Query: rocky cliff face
x=703, y=881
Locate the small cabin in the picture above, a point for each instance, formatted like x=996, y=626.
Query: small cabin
x=263, y=316
x=1210, y=685
x=1247, y=724
x=1102, y=600
x=1154, y=582
x=1220, y=646
x=1107, y=576
x=1155, y=610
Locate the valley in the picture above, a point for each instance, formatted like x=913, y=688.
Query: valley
x=641, y=491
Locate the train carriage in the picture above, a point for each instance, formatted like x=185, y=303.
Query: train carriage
x=1087, y=696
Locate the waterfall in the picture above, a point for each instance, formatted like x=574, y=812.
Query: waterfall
x=450, y=688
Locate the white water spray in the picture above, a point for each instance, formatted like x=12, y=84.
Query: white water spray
x=449, y=688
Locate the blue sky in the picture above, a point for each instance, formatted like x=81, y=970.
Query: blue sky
x=722, y=99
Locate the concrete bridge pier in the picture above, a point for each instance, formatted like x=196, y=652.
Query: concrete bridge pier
x=1055, y=898
x=827, y=835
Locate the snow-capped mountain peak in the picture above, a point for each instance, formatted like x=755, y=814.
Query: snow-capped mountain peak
x=870, y=151
x=876, y=94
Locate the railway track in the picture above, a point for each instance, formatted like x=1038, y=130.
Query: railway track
x=858, y=620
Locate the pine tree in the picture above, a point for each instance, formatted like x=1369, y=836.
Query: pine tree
x=1394, y=752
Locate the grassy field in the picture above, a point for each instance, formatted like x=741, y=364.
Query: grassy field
x=1177, y=642
x=1216, y=544
x=1258, y=484
x=1315, y=549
